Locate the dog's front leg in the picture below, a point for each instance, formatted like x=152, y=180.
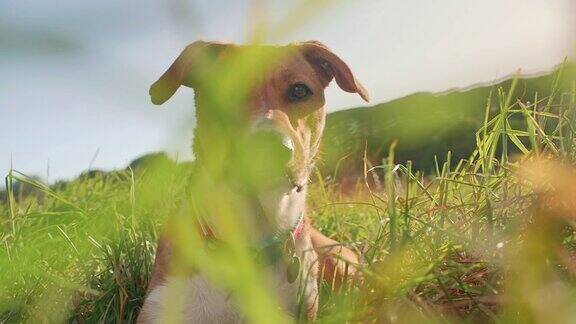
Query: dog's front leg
x=337, y=263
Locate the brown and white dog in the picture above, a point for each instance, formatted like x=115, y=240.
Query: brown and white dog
x=290, y=95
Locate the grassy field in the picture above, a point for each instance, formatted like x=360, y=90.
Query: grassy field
x=486, y=238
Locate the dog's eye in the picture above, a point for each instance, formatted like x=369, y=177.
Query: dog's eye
x=298, y=92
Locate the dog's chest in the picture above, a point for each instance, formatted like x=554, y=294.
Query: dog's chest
x=189, y=300
x=196, y=300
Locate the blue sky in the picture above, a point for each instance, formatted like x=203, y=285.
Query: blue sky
x=75, y=74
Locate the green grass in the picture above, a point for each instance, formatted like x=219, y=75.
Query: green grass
x=478, y=239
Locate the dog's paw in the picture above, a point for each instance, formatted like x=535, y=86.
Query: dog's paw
x=338, y=265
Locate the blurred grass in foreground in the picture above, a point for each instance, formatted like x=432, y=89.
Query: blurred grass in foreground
x=489, y=238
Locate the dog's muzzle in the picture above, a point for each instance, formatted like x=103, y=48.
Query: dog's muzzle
x=265, y=124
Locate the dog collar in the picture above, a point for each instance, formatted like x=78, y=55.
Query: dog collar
x=299, y=228
x=272, y=249
x=295, y=233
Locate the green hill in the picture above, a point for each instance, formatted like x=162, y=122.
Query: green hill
x=424, y=125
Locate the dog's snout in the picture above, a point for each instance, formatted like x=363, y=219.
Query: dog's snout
x=267, y=125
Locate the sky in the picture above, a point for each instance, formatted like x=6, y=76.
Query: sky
x=75, y=74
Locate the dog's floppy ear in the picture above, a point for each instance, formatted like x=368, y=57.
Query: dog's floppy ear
x=183, y=69
x=330, y=66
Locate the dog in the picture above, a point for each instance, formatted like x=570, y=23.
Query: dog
x=287, y=95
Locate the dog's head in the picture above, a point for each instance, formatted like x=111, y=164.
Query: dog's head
x=295, y=80
x=278, y=85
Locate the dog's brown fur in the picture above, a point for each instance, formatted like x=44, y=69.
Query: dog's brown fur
x=308, y=63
